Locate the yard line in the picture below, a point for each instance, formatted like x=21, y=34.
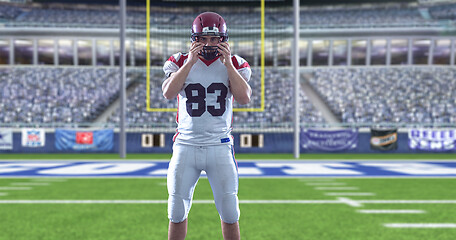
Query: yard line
x=288, y=201
x=49, y=180
x=350, y=202
x=316, y=180
x=83, y=201
x=349, y=194
x=336, y=188
x=30, y=183
x=420, y=225
x=3, y=194
x=340, y=200
x=326, y=183
x=391, y=211
x=408, y=201
x=163, y=202
x=15, y=188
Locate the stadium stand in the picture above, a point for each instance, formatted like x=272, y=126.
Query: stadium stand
x=445, y=11
x=77, y=17
x=56, y=95
x=358, y=17
x=395, y=95
x=355, y=95
x=9, y=12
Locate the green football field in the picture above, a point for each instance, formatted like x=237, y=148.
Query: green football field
x=271, y=208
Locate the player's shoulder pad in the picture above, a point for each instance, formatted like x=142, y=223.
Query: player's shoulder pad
x=178, y=58
x=239, y=62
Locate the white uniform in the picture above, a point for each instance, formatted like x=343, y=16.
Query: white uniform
x=203, y=141
x=205, y=103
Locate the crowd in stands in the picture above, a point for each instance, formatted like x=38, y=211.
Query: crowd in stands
x=56, y=95
x=355, y=95
x=446, y=11
x=9, y=12
x=395, y=95
x=376, y=16
x=79, y=17
x=136, y=112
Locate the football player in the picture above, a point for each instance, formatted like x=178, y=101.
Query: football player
x=205, y=81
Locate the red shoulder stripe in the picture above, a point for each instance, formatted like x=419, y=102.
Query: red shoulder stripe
x=172, y=59
x=236, y=63
x=180, y=62
x=244, y=65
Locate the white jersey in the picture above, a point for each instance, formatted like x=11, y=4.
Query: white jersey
x=205, y=103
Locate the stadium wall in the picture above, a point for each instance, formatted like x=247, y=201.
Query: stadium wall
x=273, y=143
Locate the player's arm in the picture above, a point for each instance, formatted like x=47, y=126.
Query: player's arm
x=174, y=83
x=238, y=85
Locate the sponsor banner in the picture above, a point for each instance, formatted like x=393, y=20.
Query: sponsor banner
x=432, y=140
x=6, y=139
x=270, y=168
x=32, y=137
x=382, y=139
x=329, y=140
x=98, y=140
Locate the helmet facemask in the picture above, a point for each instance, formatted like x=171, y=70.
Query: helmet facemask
x=210, y=52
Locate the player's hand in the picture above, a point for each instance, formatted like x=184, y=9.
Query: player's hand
x=195, y=49
x=224, y=49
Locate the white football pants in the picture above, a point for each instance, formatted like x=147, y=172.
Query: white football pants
x=184, y=171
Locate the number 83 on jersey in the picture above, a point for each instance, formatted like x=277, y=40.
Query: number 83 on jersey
x=196, y=95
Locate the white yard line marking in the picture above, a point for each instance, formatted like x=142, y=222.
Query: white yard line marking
x=289, y=201
x=391, y=211
x=336, y=188
x=340, y=200
x=350, y=202
x=162, y=184
x=86, y=201
x=420, y=225
x=316, y=180
x=15, y=188
x=49, y=180
x=327, y=184
x=3, y=193
x=163, y=201
x=408, y=201
x=349, y=194
x=30, y=183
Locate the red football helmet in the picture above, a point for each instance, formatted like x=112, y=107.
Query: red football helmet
x=209, y=24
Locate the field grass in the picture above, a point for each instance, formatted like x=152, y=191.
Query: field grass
x=322, y=221
x=306, y=211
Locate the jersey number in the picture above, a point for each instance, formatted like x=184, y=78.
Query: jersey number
x=200, y=99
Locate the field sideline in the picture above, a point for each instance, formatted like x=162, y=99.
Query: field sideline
x=271, y=208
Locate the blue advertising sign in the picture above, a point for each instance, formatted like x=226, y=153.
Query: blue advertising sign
x=97, y=140
x=329, y=140
x=432, y=140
